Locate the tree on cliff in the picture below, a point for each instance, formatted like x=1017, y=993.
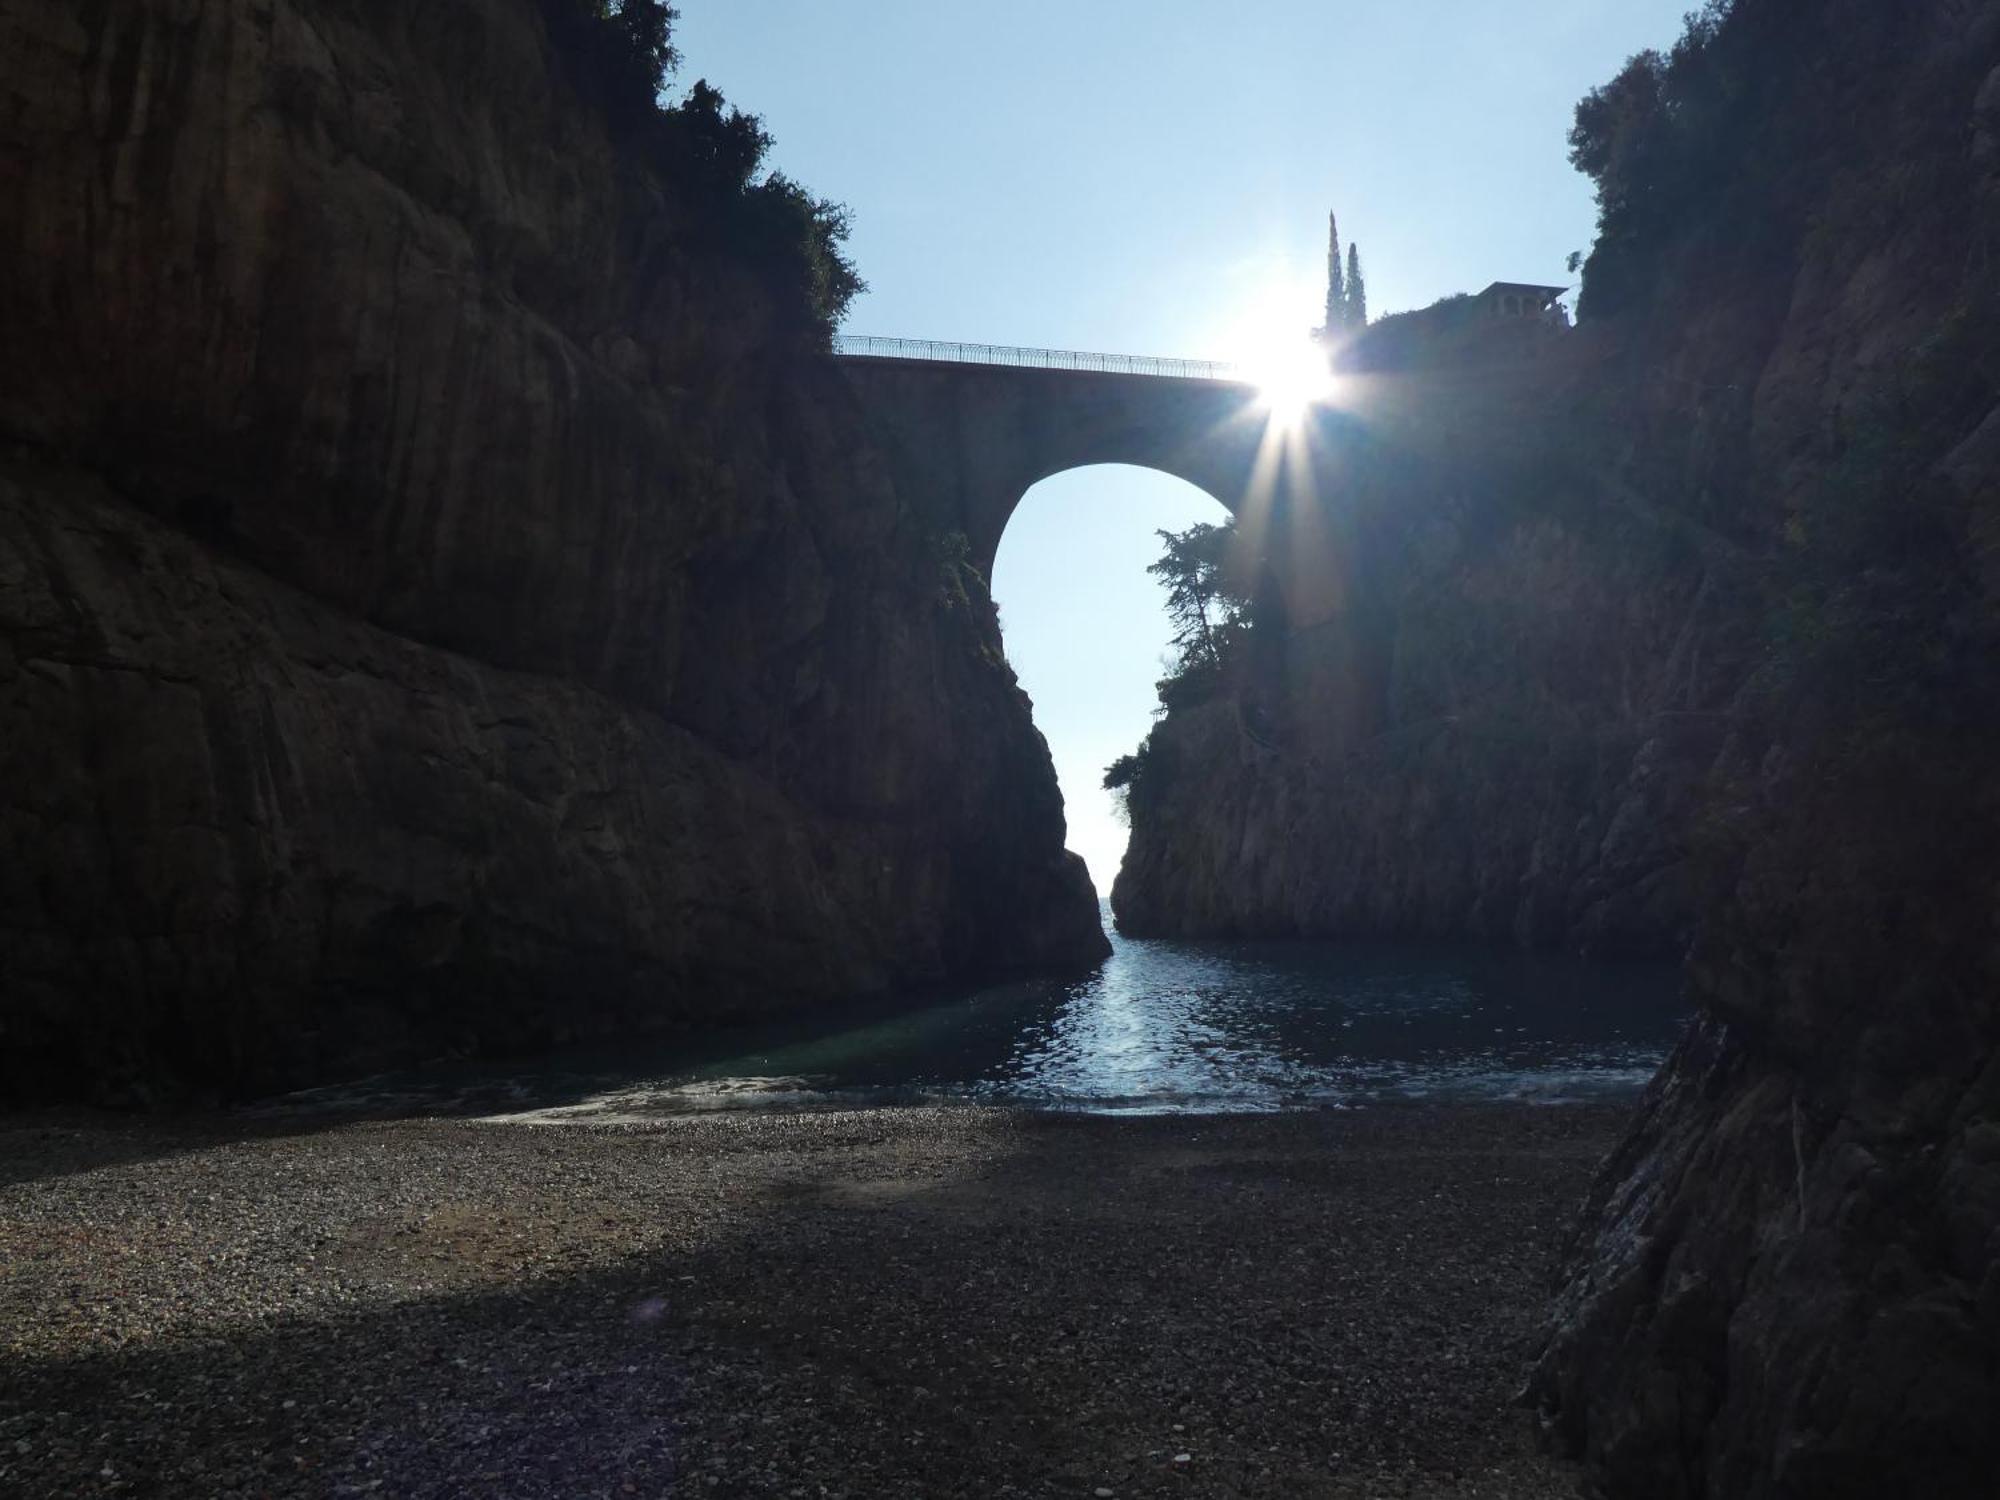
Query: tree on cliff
x=1124, y=777
x=1336, y=284
x=1209, y=613
x=625, y=46
x=1211, y=616
x=724, y=147
x=647, y=27
x=621, y=54
x=1191, y=571
x=1346, y=296
x=1658, y=138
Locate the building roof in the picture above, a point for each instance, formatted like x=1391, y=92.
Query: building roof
x=1524, y=286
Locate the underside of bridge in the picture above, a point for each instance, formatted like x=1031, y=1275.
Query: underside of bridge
x=973, y=438
x=979, y=436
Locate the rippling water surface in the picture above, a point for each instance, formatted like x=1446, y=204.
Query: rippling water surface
x=1161, y=1026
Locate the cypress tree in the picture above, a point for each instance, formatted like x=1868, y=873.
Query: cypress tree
x=1355, y=314
x=1336, y=287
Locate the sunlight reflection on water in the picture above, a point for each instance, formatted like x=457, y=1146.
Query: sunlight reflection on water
x=1160, y=1027
x=1266, y=1026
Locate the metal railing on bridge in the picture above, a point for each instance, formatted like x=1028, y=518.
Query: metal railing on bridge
x=862, y=347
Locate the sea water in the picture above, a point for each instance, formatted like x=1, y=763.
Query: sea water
x=1161, y=1026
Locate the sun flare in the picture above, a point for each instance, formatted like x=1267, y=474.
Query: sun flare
x=1262, y=329
x=1291, y=378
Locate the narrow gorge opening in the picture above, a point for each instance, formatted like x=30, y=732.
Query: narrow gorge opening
x=1086, y=628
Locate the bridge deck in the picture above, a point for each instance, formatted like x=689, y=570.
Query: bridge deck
x=937, y=351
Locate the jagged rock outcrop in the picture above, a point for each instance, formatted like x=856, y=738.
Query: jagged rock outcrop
x=444, y=601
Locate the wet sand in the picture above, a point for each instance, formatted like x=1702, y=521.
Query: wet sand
x=881, y=1303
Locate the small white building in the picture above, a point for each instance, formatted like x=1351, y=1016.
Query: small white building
x=1520, y=299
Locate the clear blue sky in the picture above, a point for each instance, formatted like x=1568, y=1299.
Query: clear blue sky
x=1154, y=178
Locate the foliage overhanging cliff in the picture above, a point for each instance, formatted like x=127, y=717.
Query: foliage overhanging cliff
x=445, y=600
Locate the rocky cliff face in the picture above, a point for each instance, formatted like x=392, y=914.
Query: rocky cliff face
x=1788, y=1280
x=1730, y=671
x=1482, y=704
x=1708, y=651
x=444, y=602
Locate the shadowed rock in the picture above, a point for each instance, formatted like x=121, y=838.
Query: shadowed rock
x=445, y=606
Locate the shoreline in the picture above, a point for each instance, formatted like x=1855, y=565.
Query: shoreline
x=648, y=1104
x=956, y=1301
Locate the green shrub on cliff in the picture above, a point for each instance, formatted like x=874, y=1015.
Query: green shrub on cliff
x=622, y=49
x=621, y=55
x=1212, y=619
x=1140, y=780
x=1123, y=776
x=1662, y=136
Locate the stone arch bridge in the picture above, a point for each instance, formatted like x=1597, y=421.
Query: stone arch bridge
x=977, y=425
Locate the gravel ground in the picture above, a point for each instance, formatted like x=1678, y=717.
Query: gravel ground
x=867, y=1304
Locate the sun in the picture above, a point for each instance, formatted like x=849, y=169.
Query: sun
x=1263, y=332
x=1292, y=378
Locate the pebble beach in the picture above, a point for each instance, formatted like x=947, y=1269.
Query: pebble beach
x=861, y=1304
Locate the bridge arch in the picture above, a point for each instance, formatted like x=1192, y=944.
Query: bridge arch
x=1136, y=456
x=970, y=429
x=975, y=438
x=967, y=433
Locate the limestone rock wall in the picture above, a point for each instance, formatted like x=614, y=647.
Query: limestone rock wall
x=1487, y=704
x=444, y=602
x=1787, y=1280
